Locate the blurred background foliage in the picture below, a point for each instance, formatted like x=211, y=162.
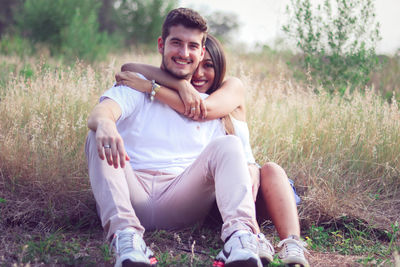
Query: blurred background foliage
x=84, y=29
x=89, y=29
x=335, y=40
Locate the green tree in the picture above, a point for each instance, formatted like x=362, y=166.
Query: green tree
x=43, y=20
x=68, y=27
x=337, y=40
x=6, y=14
x=140, y=21
x=222, y=24
x=82, y=39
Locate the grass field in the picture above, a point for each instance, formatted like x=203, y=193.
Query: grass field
x=343, y=152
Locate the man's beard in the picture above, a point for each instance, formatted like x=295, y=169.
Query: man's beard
x=164, y=67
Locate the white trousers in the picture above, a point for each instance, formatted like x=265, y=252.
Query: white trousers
x=153, y=200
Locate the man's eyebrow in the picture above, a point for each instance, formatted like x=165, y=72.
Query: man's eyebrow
x=175, y=39
x=195, y=43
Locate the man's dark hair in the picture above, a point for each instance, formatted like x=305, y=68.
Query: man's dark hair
x=185, y=17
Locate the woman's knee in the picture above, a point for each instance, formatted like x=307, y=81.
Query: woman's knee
x=271, y=170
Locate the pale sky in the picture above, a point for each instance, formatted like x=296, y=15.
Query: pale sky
x=262, y=20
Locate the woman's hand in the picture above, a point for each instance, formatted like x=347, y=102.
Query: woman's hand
x=194, y=104
x=130, y=79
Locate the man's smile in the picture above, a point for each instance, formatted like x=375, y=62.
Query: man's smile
x=182, y=61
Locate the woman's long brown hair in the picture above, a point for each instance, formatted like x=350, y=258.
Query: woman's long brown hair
x=214, y=48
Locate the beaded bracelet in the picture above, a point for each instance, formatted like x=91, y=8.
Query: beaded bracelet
x=154, y=89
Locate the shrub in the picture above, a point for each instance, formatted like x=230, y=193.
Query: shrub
x=81, y=38
x=15, y=45
x=223, y=25
x=43, y=20
x=69, y=27
x=337, y=41
x=140, y=21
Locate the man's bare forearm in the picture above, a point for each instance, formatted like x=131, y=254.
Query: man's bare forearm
x=110, y=145
x=106, y=112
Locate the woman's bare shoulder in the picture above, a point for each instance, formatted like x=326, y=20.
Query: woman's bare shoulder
x=234, y=83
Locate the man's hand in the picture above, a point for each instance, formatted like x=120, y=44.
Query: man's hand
x=110, y=145
x=194, y=104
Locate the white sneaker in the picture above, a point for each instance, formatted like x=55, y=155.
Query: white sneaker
x=241, y=250
x=131, y=250
x=292, y=251
x=265, y=252
x=265, y=249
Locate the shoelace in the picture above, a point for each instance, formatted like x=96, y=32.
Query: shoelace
x=265, y=244
x=248, y=241
x=127, y=241
x=293, y=246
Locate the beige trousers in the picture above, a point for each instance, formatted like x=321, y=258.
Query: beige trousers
x=152, y=200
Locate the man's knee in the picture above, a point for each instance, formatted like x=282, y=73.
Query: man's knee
x=227, y=144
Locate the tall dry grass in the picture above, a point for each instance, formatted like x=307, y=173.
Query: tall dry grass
x=386, y=79
x=42, y=132
x=342, y=152
x=44, y=108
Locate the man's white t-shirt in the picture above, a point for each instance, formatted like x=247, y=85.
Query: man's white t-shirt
x=156, y=137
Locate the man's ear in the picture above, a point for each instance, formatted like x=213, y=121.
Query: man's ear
x=160, y=45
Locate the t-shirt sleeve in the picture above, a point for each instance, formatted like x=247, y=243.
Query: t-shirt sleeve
x=128, y=99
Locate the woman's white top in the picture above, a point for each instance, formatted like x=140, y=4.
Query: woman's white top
x=242, y=131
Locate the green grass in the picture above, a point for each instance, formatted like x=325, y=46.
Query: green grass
x=55, y=248
x=195, y=246
x=355, y=238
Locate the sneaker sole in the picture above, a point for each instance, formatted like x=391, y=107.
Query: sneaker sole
x=243, y=263
x=293, y=262
x=128, y=263
x=266, y=261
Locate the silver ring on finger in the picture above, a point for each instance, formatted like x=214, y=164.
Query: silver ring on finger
x=107, y=146
x=193, y=109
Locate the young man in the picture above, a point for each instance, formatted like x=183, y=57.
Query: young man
x=152, y=168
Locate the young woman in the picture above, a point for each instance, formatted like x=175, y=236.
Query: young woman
x=226, y=100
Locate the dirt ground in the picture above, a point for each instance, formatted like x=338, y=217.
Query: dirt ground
x=17, y=245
